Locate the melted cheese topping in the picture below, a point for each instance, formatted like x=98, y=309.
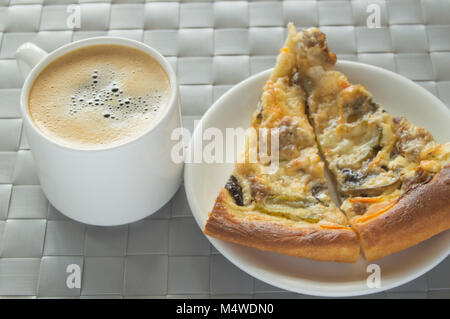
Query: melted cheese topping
x=297, y=190
x=374, y=157
x=370, y=153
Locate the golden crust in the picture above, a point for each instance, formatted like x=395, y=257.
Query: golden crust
x=267, y=233
x=419, y=215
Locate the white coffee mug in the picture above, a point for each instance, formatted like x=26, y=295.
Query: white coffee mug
x=108, y=186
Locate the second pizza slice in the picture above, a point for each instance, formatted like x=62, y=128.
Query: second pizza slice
x=393, y=177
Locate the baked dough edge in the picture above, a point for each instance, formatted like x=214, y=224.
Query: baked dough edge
x=267, y=233
x=422, y=213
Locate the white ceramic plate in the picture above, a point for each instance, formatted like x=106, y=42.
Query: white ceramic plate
x=397, y=95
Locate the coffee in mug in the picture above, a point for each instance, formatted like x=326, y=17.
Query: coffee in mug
x=99, y=96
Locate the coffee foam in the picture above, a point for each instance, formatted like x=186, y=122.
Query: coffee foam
x=97, y=96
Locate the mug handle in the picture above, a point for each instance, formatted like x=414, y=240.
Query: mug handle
x=27, y=56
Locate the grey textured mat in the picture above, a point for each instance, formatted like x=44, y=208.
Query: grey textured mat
x=212, y=46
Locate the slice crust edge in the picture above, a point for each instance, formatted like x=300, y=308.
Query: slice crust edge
x=268, y=233
x=419, y=215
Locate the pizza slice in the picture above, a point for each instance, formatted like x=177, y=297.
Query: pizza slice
x=393, y=177
x=288, y=209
